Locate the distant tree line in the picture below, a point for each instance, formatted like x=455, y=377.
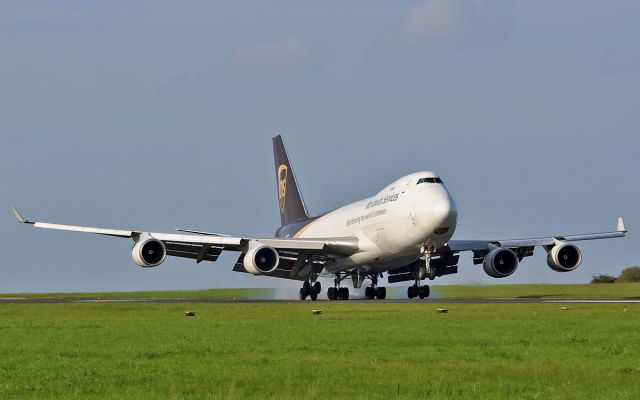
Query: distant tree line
x=631, y=274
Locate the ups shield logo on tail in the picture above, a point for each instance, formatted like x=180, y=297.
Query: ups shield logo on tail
x=282, y=185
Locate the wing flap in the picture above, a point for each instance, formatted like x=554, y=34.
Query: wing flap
x=344, y=246
x=197, y=252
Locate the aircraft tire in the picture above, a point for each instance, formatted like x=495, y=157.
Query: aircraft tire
x=370, y=293
x=411, y=291
x=381, y=292
x=344, y=293
x=317, y=287
x=303, y=295
x=313, y=295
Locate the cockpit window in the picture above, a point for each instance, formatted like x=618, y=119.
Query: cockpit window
x=429, y=180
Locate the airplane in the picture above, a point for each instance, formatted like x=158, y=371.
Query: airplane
x=404, y=231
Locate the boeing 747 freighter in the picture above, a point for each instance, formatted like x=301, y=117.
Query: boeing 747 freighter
x=404, y=231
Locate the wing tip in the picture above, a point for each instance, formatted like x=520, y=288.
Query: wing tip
x=621, y=225
x=19, y=216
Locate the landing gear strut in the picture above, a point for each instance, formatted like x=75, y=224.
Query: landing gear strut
x=424, y=271
x=309, y=290
x=375, y=291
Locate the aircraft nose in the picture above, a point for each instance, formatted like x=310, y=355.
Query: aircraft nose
x=445, y=211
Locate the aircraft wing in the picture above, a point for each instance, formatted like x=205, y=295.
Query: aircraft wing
x=208, y=247
x=445, y=260
x=485, y=245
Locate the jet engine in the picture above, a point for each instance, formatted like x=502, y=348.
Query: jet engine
x=260, y=259
x=564, y=257
x=500, y=262
x=149, y=252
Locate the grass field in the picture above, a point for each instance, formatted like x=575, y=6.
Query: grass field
x=354, y=350
x=167, y=294
x=579, y=291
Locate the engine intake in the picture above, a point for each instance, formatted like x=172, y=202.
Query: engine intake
x=149, y=252
x=500, y=262
x=564, y=257
x=260, y=259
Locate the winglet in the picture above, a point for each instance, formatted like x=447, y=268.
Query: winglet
x=19, y=216
x=621, y=225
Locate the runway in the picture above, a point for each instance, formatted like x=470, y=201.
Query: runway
x=524, y=300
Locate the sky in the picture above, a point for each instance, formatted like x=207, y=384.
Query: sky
x=155, y=115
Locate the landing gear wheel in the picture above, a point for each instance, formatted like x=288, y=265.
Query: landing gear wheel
x=432, y=274
x=332, y=293
x=381, y=292
x=412, y=291
x=370, y=292
x=423, y=291
x=317, y=287
x=344, y=293
x=305, y=290
x=313, y=295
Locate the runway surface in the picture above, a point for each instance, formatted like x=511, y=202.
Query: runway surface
x=21, y=300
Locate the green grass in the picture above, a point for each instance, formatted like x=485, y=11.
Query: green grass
x=167, y=294
x=580, y=291
x=352, y=351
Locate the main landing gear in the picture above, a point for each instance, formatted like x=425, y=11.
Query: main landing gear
x=374, y=291
x=336, y=292
x=309, y=290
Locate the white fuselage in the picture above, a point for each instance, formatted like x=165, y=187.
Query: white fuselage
x=393, y=225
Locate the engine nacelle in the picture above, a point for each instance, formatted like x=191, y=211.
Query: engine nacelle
x=564, y=257
x=149, y=252
x=500, y=262
x=260, y=259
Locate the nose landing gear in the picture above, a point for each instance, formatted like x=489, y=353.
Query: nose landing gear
x=423, y=271
x=418, y=291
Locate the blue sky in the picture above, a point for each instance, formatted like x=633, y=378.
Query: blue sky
x=156, y=114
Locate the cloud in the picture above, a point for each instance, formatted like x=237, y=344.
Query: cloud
x=284, y=55
x=432, y=19
x=459, y=22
